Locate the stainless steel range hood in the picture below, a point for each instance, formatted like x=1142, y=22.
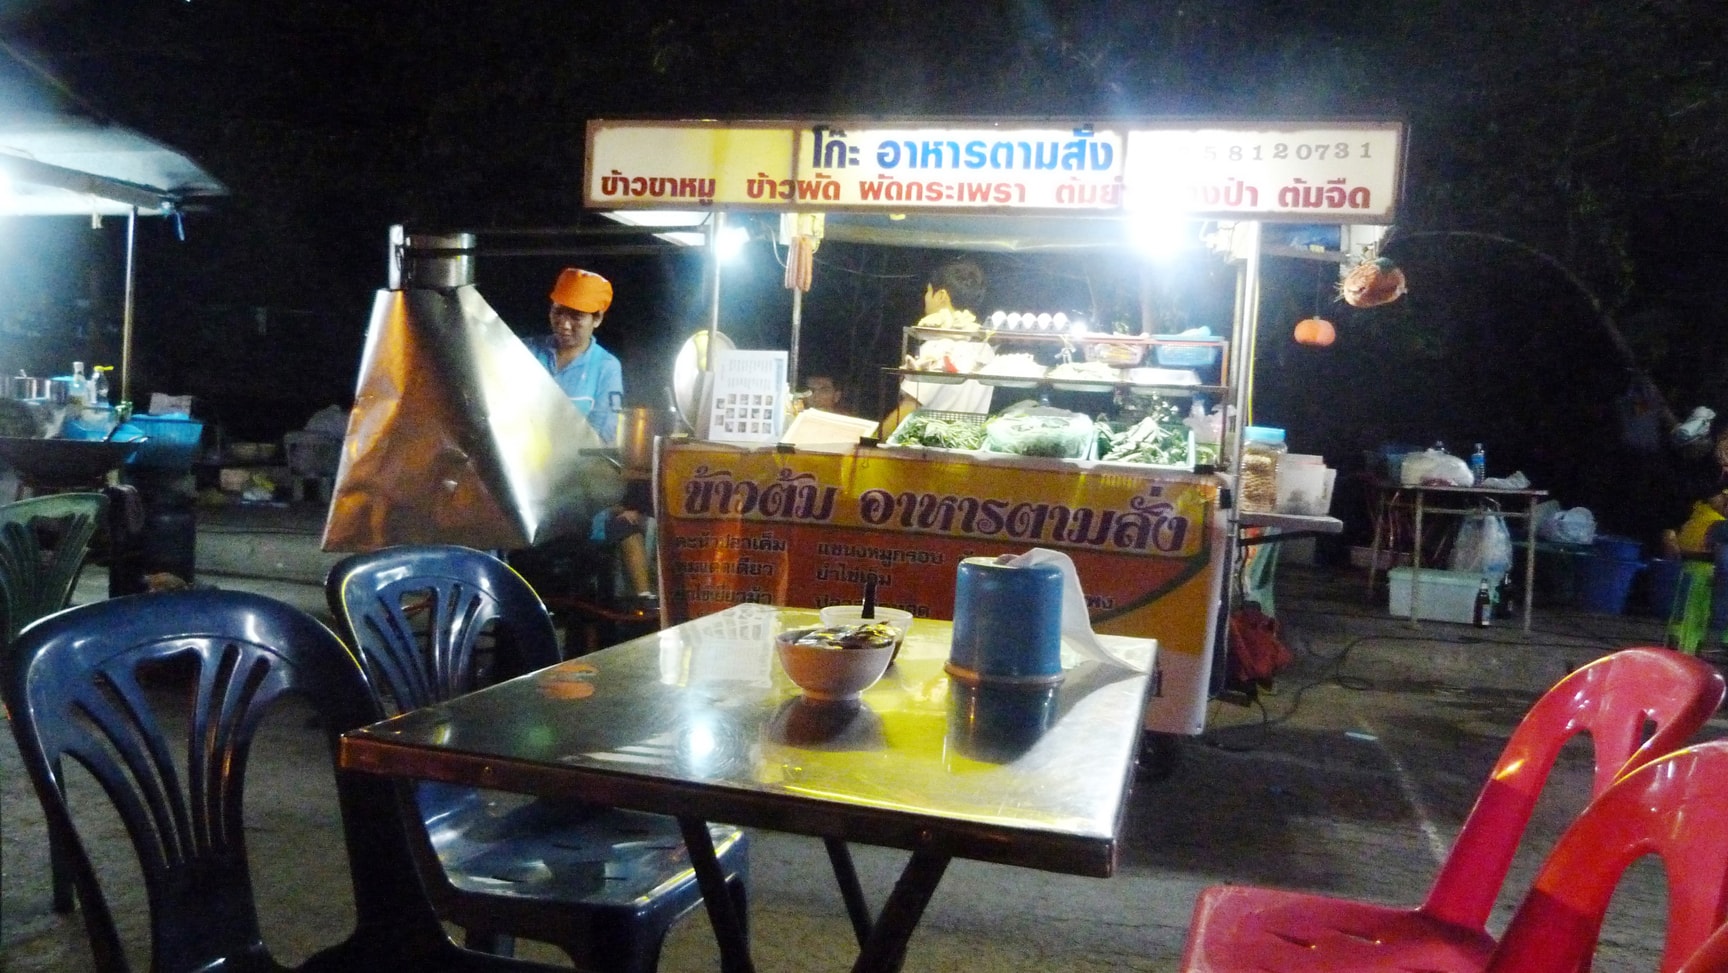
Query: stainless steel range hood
x=458, y=435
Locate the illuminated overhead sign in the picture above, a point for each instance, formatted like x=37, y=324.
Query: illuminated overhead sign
x=1338, y=172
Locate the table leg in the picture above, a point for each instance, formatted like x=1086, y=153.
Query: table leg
x=886, y=948
x=1381, y=510
x=851, y=891
x=1529, y=559
x=1416, y=565
x=722, y=911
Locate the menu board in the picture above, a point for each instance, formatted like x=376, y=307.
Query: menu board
x=748, y=398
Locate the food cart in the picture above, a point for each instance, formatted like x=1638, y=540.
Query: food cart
x=60, y=159
x=757, y=521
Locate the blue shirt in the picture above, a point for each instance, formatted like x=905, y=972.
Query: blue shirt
x=594, y=381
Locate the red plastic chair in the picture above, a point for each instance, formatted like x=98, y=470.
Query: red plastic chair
x=1615, y=699
x=1676, y=808
x=1712, y=957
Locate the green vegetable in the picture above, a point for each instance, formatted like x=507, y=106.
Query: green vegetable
x=923, y=430
x=1157, y=440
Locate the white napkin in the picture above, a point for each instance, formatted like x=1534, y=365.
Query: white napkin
x=1076, y=623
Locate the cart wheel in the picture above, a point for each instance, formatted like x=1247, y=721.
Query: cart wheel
x=1160, y=755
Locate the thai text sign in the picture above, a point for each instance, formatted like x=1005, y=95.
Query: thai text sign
x=810, y=529
x=1078, y=167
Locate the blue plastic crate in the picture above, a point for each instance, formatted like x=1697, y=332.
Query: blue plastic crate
x=173, y=443
x=1187, y=355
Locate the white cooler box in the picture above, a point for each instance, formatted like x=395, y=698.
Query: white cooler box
x=1447, y=596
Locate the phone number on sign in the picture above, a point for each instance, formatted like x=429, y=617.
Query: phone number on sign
x=1282, y=151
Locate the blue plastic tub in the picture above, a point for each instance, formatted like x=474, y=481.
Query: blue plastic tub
x=173, y=443
x=1195, y=355
x=1618, y=548
x=1605, y=582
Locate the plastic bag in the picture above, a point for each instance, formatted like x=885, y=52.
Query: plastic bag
x=1573, y=526
x=1432, y=467
x=1483, y=546
x=1040, y=432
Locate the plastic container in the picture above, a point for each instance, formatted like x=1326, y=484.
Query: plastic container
x=1661, y=582
x=1447, y=596
x=1617, y=548
x=1604, y=583
x=1257, y=486
x=173, y=443
x=88, y=423
x=1304, y=486
x=1198, y=354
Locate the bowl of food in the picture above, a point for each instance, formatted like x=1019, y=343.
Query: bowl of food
x=835, y=663
x=838, y=616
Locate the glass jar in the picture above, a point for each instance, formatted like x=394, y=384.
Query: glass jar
x=1257, y=486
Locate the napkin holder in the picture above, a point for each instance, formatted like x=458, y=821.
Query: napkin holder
x=1007, y=624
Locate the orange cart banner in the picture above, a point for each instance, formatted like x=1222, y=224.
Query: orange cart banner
x=813, y=528
x=810, y=529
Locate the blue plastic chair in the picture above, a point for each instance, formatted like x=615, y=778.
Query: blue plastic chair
x=43, y=543
x=434, y=621
x=86, y=688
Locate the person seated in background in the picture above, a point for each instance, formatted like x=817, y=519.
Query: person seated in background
x=822, y=391
x=594, y=380
x=952, y=294
x=1705, y=534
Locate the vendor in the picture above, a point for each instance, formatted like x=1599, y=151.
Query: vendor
x=593, y=379
x=952, y=294
x=589, y=374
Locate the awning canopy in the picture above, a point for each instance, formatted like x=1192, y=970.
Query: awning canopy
x=63, y=158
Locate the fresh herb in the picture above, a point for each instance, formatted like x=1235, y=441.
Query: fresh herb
x=923, y=430
x=1157, y=440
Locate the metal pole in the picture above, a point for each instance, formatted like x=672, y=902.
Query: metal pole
x=125, y=401
x=1242, y=348
x=715, y=227
x=705, y=378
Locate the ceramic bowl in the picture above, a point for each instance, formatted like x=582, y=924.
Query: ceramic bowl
x=836, y=616
x=830, y=673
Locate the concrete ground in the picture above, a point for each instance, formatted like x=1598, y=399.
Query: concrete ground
x=1351, y=778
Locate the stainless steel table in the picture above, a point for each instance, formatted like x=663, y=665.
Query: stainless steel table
x=698, y=721
x=1388, y=499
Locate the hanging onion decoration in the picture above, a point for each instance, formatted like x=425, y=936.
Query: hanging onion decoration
x=1371, y=283
x=1315, y=331
x=800, y=263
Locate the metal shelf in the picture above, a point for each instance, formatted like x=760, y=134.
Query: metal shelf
x=1058, y=384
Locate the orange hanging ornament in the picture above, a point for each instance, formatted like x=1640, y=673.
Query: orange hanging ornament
x=1315, y=331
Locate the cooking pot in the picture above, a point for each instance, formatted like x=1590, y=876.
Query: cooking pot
x=637, y=428
x=22, y=387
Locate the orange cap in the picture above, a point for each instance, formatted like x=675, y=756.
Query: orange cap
x=582, y=290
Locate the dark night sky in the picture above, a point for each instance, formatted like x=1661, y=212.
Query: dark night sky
x=1592, y=136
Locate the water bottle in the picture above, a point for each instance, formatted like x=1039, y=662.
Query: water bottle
x=1478, y=466
x=99, y=386
x=78, y=393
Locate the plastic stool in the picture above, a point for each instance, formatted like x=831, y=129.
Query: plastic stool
x=1690, y=613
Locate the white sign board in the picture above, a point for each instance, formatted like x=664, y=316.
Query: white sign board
x=1334, y=172
x=748, y=396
